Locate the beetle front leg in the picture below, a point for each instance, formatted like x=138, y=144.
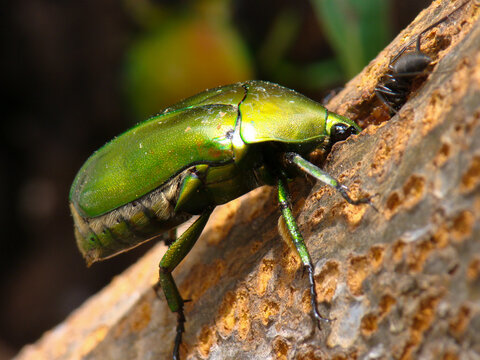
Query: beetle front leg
x=175, y=253
x=284, y=202
x=324, y=177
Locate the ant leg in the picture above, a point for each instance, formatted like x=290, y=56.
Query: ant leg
x=379, y=91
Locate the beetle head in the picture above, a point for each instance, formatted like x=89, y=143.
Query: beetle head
x=341, y=131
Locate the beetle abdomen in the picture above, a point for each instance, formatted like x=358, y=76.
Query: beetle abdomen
x=131, y=224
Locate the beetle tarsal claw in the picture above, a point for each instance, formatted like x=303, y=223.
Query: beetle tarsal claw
x=343, y=190
x=371, y=203
x=313, y=297
x=178, y=336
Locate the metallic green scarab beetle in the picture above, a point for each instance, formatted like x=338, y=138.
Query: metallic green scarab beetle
x=202, y=152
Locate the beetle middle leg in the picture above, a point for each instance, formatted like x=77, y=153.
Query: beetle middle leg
x=297, y=238
x=283, y=199
x=175, y=253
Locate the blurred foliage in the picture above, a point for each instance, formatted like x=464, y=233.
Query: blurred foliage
x=356, y=29
x=181, y=52
x=185, y=47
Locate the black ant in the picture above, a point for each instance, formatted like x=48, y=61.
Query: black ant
x=404, y=67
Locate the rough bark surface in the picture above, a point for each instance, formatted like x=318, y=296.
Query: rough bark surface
x=403, y=282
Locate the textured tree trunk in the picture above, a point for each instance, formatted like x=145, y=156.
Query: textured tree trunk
x=403, y=282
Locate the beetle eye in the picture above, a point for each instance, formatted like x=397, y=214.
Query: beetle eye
x=340, y=132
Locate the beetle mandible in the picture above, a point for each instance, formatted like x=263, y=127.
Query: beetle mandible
x=202, y=152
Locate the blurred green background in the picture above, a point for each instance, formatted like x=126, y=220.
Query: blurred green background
x=77, y=73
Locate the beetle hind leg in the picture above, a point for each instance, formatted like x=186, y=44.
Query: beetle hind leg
x=174, y=255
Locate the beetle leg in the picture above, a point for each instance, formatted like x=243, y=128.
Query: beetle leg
x=170, y=237
x=175, y=253
x=283, y=200
x=324, y=177
x=190, y=185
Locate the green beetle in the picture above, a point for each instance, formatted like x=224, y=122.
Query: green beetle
x=204, y=151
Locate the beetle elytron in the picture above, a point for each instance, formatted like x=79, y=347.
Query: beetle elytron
x=202, y=152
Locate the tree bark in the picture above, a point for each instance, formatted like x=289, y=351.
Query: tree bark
x=402, y=283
